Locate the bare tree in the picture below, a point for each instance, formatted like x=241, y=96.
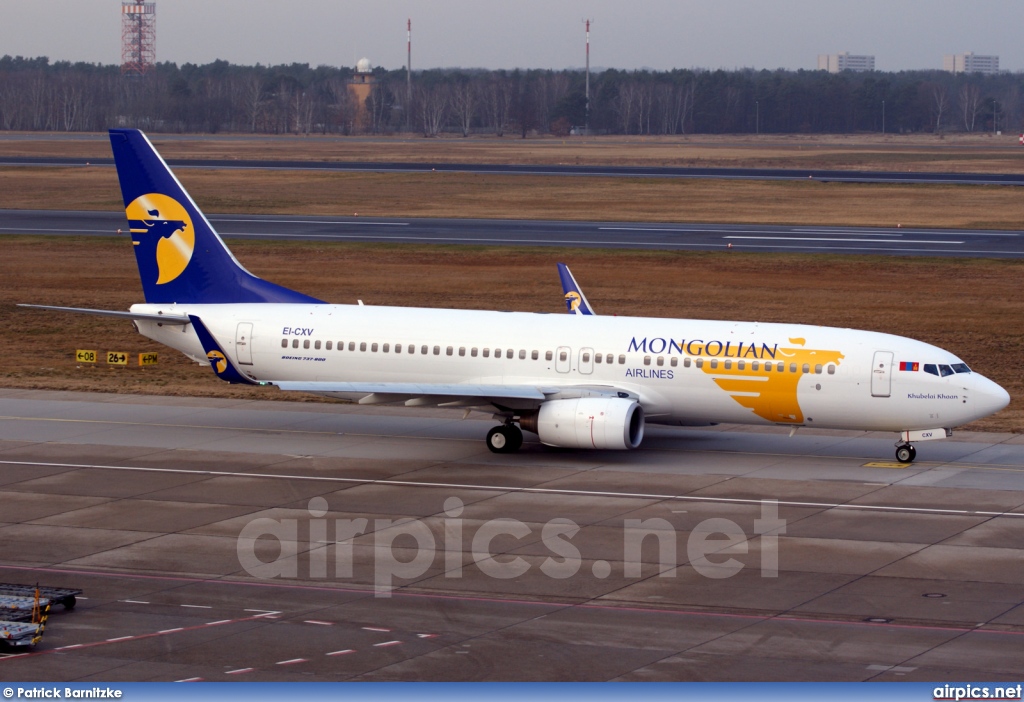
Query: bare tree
x=940, y=99
x=432, y=102
x=625, y=104
x=378, y=106
x=464, y=104
x=253, y=98
x=499, y=102
x=969, y=97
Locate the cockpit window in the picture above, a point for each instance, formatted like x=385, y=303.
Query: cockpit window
x=961, y=368
x=931, y=368
x=945, y=370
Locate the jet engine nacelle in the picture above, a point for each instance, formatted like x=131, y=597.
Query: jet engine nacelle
x=590, y=422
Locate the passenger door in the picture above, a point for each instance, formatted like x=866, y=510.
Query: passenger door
x=881, y=374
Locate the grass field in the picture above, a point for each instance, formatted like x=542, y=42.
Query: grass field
x=971, y=307
x=978, y=152
x=538, y=197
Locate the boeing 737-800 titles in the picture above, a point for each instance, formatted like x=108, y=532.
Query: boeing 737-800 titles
x=577, y=381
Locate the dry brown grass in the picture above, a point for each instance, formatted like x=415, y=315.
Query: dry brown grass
x=958, y=153
x=970, y=307
x=539, y=197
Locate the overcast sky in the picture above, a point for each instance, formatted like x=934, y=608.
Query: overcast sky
x=659, y=34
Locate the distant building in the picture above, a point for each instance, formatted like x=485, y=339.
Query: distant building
x=845, y=61
x=970, y=63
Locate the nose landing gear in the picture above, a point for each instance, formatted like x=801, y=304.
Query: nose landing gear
x=905, y=453
x=506, y=438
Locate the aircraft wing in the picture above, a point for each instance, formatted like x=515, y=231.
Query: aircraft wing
x=445, y=394
x=164, y=318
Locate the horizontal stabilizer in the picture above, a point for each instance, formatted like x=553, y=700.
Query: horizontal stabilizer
x=164, y=318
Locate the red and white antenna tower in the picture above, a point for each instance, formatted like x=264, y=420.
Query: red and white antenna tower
x=138, y=37
x=408, y=62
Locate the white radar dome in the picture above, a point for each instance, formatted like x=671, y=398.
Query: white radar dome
x=363, y=65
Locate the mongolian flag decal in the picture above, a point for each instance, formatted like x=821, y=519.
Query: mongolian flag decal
x=910, y=366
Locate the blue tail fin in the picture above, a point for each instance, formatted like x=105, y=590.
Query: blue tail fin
x=575, y=300
x=181, y=258
x=219, y=361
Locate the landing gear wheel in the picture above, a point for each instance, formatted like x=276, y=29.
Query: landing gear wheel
x=906, y=453
x=505, y=439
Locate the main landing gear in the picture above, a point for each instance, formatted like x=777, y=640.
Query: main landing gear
x=506, y=438
x=905, y=453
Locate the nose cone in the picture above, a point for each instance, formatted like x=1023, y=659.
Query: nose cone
x=988, y=397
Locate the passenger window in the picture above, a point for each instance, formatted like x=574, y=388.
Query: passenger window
x=817, y=369
x=522, y=354
x=647, y=360
x=831, y=369
x=792, y=368
x=741, y=365
x=497, y=353
x=945, y=370
x=597, y=358
x=352, y=346
x=487, y=353
x=700, y=363
x=661, y=360
x=362, y=346
x=398, y=348
x=373, y=348
x=328, y=345
x=535, y=354
x=284, y=343
x=562, y=355
x=768, y=366
x=510, y=353
x=674, y=362
x=622, y=359
x=437, y=350
x=295, y=343
x=472, y=352
x=807, y=368
x=385, y=348
x=305, y=344
x=754, y=365
x=449, y=351
x=714, y=363
x=462, y=350
x=548, y=356
x=686, y=362
x=586, y=358
x=609, y=359
x=424, y=350
x=316, y=344
x=728, y=365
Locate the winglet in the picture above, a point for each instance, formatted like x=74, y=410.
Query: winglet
x=219, y=361
x=575, y=300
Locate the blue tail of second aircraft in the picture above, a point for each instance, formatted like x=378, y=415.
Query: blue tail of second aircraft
x=181, y=257
x=575, y=300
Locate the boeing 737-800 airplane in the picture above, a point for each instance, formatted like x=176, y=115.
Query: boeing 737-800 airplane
x=578, y=381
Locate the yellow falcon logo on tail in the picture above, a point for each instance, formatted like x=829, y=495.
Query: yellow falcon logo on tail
x=158, y=215
x=218, y=361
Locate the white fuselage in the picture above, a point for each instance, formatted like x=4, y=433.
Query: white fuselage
x=682, y=371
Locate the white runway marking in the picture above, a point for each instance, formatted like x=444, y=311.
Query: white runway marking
x=872, y=241
x=525, y=490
